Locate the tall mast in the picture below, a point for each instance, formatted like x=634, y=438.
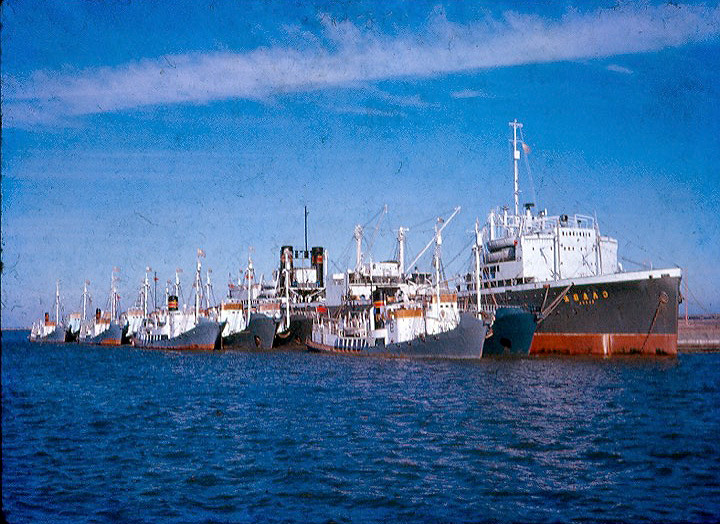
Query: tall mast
x=478, y=243
x=198, y=287
x=306, y=214
x=177, y=282
x=113, y=295
x=401, y=248
x=287, y=289
x=146, y=291
x=438, y=247
x=249, y=285
x=57, y=303
x=208, y=288
x=516, y=156
x=155, y=278
x=85, y=297
x=358, y=246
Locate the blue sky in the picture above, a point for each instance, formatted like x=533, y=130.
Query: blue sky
x=136, y=132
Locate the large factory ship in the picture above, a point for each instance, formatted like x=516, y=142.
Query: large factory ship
x=564, y=270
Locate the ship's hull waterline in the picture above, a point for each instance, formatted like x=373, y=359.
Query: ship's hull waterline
x=259, y=334
x=463, y=342
x=110, y=337
x=512, y=333
x=604, y=316
x=299, y=332
x=204, y=336
x=58, y=336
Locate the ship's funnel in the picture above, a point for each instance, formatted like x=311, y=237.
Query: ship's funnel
x=318, y=262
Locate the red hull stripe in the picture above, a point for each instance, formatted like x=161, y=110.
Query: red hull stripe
x=604, y=343
x=110, y=342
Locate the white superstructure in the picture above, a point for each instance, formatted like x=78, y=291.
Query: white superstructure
x=523, y=247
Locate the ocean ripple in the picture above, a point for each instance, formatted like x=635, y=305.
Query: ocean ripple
x=124, y=435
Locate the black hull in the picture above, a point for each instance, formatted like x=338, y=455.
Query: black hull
x=632, y=315
x=126, y=338
x=512, y=333
x=298, y=334
x=259, y=334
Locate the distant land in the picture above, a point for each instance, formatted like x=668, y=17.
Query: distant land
x=700, y=333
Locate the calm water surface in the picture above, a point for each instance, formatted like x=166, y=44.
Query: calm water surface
x=124, y=435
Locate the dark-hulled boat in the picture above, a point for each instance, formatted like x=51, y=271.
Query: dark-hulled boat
x=511, y=332
x=111, y=336
x=204, y=335
x=175, y=328
x=405, y=336
x=259, y=334
x=564, y=271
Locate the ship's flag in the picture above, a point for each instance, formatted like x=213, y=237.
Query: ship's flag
x=526, y=148
x=201, y=253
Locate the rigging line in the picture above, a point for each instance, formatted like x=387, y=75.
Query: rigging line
x=377, y=228
x=366, y=224
x=415, y=226
x=431, y=219
x=527, y=166
x=344, y=254
x=697, y=302
x=408, y=249
x=655, y=255
x=332, y=261
x=470, y=263
x=463, y=250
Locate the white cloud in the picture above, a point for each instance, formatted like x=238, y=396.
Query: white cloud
x=352, y=56
x=469, y=93
x=619, y=69
x=367, y=111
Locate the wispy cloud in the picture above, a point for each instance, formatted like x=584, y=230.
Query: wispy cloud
x=619, y=69
x=469, y=93
x=346, y=55
x=367, y=111
x=404, y=101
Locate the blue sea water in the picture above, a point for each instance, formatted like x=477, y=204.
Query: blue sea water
x=123, y=435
